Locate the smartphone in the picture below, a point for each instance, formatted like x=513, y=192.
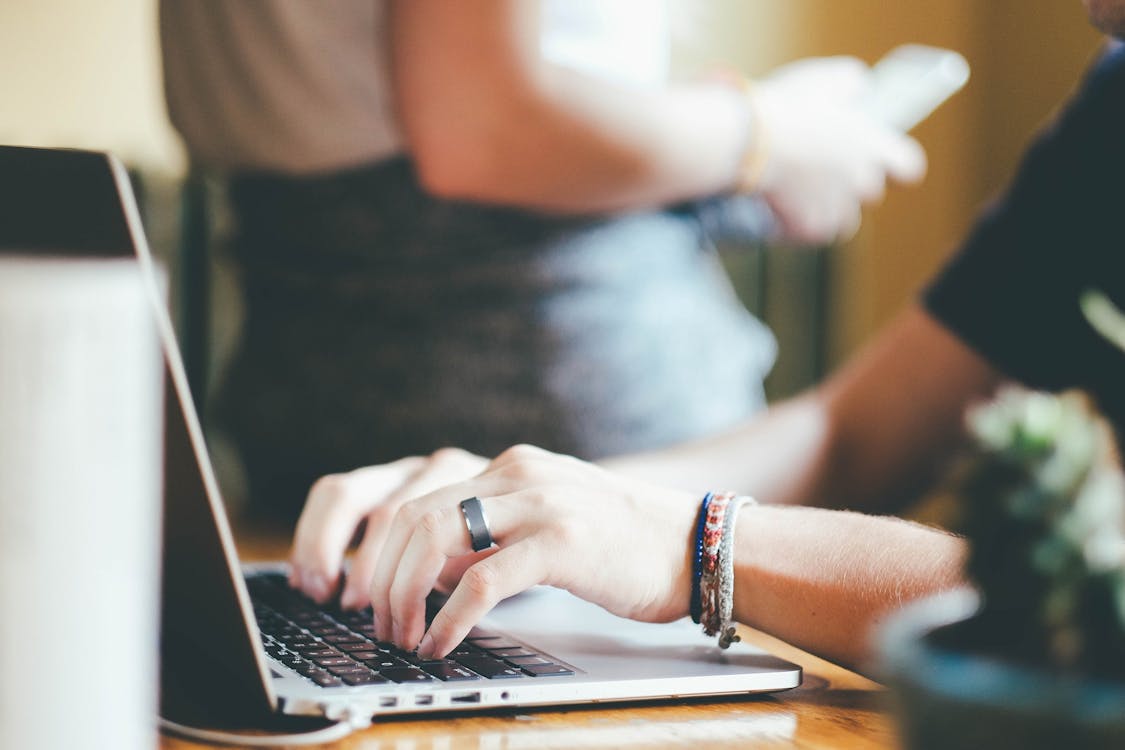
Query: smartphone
x=912, y=80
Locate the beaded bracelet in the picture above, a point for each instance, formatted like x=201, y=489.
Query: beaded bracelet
x=697, y=560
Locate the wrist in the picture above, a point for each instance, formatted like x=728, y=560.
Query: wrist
x=754, y=154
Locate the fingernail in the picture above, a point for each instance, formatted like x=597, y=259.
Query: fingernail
x=351, y=599
x=317, y=587
x=426, y=647
x=295, y=578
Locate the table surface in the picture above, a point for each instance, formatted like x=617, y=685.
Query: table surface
x=833, y=708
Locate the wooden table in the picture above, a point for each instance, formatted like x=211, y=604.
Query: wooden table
x=833, y=708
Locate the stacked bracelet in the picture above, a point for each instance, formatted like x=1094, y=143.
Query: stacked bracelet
x=713, y=583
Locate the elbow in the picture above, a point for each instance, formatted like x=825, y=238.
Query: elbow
x=473, y=160
x=453, y=171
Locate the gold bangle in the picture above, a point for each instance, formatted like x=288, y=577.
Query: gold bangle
x=755, y=156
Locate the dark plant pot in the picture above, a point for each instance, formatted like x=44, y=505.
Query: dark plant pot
x=950, y=698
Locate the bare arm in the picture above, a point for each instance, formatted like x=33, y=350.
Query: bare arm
x=488, y=119
x=822, y=580
x=874, y=434
x=819, y=579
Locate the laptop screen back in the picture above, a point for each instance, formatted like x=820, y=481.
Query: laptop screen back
x=80, y=204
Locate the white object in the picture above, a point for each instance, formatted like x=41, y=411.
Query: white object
x=912, y=80
x=80, y=466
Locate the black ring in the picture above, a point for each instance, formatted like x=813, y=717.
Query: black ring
x=479, y=535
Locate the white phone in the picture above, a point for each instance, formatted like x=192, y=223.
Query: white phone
x=912, y=80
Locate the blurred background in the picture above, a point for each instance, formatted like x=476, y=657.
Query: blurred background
x=87, y=75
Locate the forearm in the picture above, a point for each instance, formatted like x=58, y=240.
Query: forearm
x=488, y=118
x=782, y=456
x=577, y=144
x=822, y=580
x=871, y=438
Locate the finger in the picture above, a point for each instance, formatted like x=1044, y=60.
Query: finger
x=438, y=470
x=904, y=158
x=507, y=572
x=399, y=534
x=335, y=507
x=455, y=567
x=439, y=535
x=356, y=588
x=848, y=222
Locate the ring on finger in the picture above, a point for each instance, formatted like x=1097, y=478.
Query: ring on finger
x=480, y=538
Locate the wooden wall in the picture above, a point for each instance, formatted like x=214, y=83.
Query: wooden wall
x=1025, y=54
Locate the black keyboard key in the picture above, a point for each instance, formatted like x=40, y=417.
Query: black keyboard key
x=448, y=671
x=504, y=653
x=364, y=679
x=547, y=670
x=353, y=646
x=405, y=674
x=333, y=661
x=324, y=679
x=493, y=644
x=339, y=638
x=307, y=669
x=319, y=651
x=489, y=667
x=347, y=669
x=520, y=661
x=364, y=655
x=384, y=661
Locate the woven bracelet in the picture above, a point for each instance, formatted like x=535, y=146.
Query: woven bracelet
x=709, y=579
x=727, y=632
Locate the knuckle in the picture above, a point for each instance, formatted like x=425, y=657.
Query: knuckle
x=481, y=580
x=448, y=455
x=567, y=533
x=521, y=452
x=381, y=515
x=408, y=514
x=537, y=500
x=432, y=522
x=330, y=488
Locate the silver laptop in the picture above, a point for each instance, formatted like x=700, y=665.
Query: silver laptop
x=240, y=648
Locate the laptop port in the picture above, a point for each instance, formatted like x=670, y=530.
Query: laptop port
x=473, y=697
x=423, y=700
x=388, y=701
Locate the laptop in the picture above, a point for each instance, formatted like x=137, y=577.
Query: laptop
x=240, y=648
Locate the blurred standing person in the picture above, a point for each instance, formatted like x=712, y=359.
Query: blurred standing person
x=476, y=223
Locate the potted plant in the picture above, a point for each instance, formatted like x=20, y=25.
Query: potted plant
x=1035, y=656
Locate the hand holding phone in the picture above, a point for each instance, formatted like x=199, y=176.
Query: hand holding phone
x=913, y=80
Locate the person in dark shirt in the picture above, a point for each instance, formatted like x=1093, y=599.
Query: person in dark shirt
x=1007, y=308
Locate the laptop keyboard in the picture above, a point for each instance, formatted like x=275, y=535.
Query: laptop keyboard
x=336, y=648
